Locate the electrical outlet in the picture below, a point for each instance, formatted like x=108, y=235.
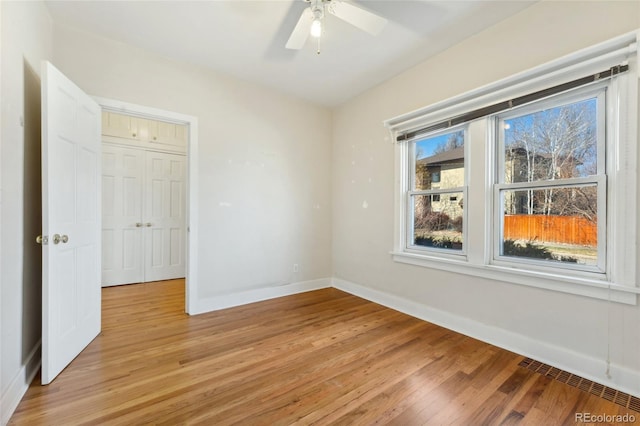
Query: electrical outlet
x=295, y=267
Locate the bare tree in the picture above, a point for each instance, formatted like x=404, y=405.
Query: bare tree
x=557, y=143
x=453, y=141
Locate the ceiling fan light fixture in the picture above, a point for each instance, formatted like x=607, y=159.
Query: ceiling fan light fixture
x=317, y=10
x=316, y=28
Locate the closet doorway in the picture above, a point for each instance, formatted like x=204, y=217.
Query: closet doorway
x=191, y=192
x=144, y=199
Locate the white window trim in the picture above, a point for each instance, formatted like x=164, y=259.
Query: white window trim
x=433, y=250
x=597, y=91
x=619, y=284
x=409, y=177
x=498, y=259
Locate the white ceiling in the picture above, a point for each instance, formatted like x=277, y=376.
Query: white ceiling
x=247, y=38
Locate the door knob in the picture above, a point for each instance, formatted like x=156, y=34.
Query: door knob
x=148, y=224
x=138, y=224
x=57, y=239
x=42, y=240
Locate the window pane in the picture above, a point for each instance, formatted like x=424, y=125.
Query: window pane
x=556, y=143
x=438, y=220
x=439, y=162
x=553, y=224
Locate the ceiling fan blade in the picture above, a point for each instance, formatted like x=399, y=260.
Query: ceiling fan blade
x=360, y=18
x=301, y=32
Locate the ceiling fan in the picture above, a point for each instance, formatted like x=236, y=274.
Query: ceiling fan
x=310, y=22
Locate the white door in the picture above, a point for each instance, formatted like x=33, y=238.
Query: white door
x=122, y=176
x=164, y=215
x=71, y=221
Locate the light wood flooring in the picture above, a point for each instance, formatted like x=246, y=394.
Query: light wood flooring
x=322, y=357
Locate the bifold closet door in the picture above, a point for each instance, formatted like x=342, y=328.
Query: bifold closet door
x=164, y=213
x=122, y=199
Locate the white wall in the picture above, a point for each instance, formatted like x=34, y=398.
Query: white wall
x=264, y=163
x=569, y=331
x=26, y=40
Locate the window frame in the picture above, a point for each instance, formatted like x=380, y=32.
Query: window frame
x=596, y=271
x=618, y=283
x=597, y=91
x=411, y=193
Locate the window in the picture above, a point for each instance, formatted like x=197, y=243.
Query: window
x=529, y=180
x=436, y=180
x=551, y=182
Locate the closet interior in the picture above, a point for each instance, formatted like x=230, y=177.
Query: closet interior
x=143, y=199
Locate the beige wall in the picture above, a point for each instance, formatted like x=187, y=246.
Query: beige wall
x=26, y=40
x=264, y=171
x=363, y=170
x=266, y=165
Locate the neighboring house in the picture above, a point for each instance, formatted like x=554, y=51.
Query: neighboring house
x=522, y=165
x=442, y=171
x=446, y=170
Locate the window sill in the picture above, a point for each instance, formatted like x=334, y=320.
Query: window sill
x=572, y=285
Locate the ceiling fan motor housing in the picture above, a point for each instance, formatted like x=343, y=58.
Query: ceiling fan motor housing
x=317, y=7
x=348, y=12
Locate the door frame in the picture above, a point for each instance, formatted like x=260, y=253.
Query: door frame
x=191, y=264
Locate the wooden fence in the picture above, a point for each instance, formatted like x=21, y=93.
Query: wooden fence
x=551, y=229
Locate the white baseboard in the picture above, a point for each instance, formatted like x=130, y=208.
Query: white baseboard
x=258, y=295
x=20, y=383
x=621, y=378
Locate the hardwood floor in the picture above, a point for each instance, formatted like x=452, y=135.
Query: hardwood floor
x=322, y=357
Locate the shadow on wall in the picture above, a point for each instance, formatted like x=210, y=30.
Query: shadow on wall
x=32, y=215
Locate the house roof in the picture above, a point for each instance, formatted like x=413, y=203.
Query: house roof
x=451, y=156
